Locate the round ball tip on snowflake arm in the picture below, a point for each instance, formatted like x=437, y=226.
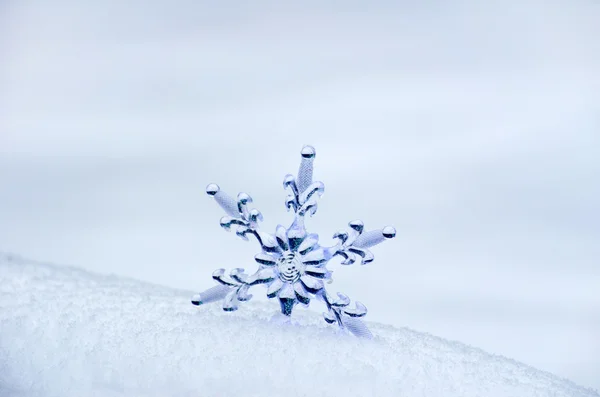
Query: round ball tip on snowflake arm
x=308, y=152
x=292, y=265
x=389, y=232
x=212, y=189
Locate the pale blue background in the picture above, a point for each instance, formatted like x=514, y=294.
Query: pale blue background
x=473, y=127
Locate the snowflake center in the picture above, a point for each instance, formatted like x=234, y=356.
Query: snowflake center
x=290, y=267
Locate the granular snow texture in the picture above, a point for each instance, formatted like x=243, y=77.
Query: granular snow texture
x=66, y=332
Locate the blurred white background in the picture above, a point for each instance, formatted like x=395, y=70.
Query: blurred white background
x=473, y=127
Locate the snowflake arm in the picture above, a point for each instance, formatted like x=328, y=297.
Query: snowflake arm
x=355, y=244
x=238, y=215
x=233, y=289
x=304, y=193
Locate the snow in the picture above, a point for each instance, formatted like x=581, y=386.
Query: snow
x=66, y=332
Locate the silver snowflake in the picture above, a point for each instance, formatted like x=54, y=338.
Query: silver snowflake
x=292, y=264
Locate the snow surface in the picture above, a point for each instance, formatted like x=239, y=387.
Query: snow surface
x=66, y=332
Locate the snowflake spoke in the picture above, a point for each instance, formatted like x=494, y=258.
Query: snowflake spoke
x=315, y=188
x=290, y=203
x=348, y=259
x=213, y=294
x=313, y=285
x=242, y=232
x=268, y=242
x=341, y=301
x=281, y=236
x=374, y=237
x=305, y=173
x=357, y=327
x=359, y=311
x=330, y=318
x=316, y=257
x=219, y=276
x=238, y=275
x=342, y=236
x=301, y=294
x=228, y=221
x=262, y=276
x=274, y=288
x=314, y=271
x=226, y=202
x=243, y=295
x=230, y=303
x=287, y=292
x=243, y=200
x=357, y=225
x=308, y=244
x=255, y=216
x=265, y=259
x=290, y=182
x=366, y=255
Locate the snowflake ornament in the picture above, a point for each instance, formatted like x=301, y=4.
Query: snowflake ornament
x=292, y=265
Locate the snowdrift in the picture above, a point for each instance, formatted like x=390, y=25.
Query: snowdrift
x=66, y=332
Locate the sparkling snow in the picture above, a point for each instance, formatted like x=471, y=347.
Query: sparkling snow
x=66, y=332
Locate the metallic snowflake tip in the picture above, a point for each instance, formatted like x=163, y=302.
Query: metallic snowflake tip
x=196, y=300
x=389, y=232
x=212, y=189
x=308, y=152
x=291, y=264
